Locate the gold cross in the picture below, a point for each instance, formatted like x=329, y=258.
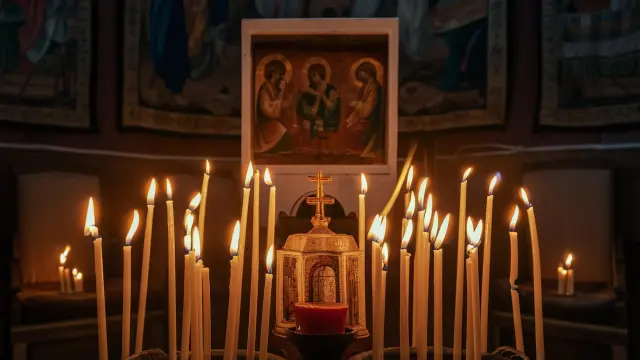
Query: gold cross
x=320, y=200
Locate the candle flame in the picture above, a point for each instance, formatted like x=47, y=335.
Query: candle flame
x=79, y=276
x=442, y=232
x=90, y=219
x=196, y=242
x=169, y=192
x=434, y=228
x=382, y=230
x=525, y=198
x=195, y=202
x=67, y=250
x=406, y=237
x=207, y=167
x=568, y=261
x=267, y=177
x=564, y=272
x=363, y=184
x=409, y=179
x=428, y=213
x=385, y=257
x=371, y=235
x=474, y=234
x=188, y=222
x=63, y=258
x=187, y=243
x=133, y=228
x=269, y=259
x=247, y=177
x=235, y=239
x=422, y=189
x=74, y=271
x=514, y=219
x=151, y=194
x=494, y=182
x=411, y=208
x=467, y=173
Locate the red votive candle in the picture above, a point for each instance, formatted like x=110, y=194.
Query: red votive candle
x=321, y=318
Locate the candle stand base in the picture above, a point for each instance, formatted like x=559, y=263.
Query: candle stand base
x=501, y=353
x=321, y=347
x=157, y=354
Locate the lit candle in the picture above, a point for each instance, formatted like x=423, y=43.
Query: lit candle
x=90, y=228
x=77, y=280
x=405, y=259
x=271, y=221
x=206, y=315
x=407, y=194
x=171, y=254
x=457, y=321
x=203, y=203
x=126, y=286
x=255, y=268
x=438, y=240
x=266, y=306
x=474, y=236
x=361, y=244
x=570, y=282
x=420, y=287
x=470, y=346
x=196, y=298
x=233, y=294
x=513, y=276
x=67, y=280
x=537, y=276
x=378, y=312
x=189, y=268
x=375, y=253
x=486, y=264
x=146, y=257
x=382, y=299
x=411, y=208
x=562, y=280
x=63, y=260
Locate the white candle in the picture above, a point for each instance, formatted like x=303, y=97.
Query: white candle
x=513, y=276
x=126, y=286
x=470, y=346
x=67, y=280
x=570, y=289
x=146, y=257
x=189, y=266
x=266, y=306
x=486, y=264
x=537, y=277
x=361, y=244
x=200, y=310
x=474, y=235
x=405, y=259
x=78, y=282
x=206, y=303
x=255, y=268
x=271, y=220
x=203, y=202
x=437, y=237
x=375, y=249
x=379, y=229
x=171, y=254
x=233, y=301
x=196, y=298
x=562, y=278
x=419, y=327
x=90, y=228
x=63, y=260
x=457, y=322
x=381, y=303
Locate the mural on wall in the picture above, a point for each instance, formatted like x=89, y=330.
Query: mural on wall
x=590, y=55
x=45, y=62
x=183, y=59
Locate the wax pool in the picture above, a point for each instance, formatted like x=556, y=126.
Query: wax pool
x=321, y=318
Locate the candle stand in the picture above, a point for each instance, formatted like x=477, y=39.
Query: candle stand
x=321, y=347
x=501, y=353
x=157, y=354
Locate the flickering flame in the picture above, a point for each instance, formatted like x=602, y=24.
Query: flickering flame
x=363, y=184
x=428, y=213
x=564, y=272
x=421, y=191
x=514, y=219
x=474, y=235
x=568, y=261
x=371, y=235
x=466, y=174
x=385, y=256
x=188, y=222
x=63, y=258
x=409, y=179
x=74, y=271
x=382, y=230
x=196, y=242
x=493, y=183
x=247, y=177
x=411, y=208
x=267, y=177
x=442, y=232
x=235, y=240
x=187, y=243
x=525, y=198
x=169, y=192
x=90, y=219
x=269, y=259
x=207, y=167
x=79, y=276
x=195, y=202
x=151, y=194
x=133, y=228
x=434, y=228
x=406, y=237
x=67, y=250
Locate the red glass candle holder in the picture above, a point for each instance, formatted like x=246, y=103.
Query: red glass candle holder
x=320, y=318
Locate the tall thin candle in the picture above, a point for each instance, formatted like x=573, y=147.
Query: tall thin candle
x=255, y=268
x=146, y=257
x=513, y=276
x=457, y=321
x=206, y=315
x=379, y=228
x=171, y=267
x=90, y=228
x=537, y=277
x=382, y=299
x=486, y=264
x=570, y=287
x=203, y=203
x=474, y=236
x=271, y=220
x=126, y=286
x=375, y=250
x=63, y=260
x=407, y=194
x=438, y=240
x=420, y=287
x=189, y=268
x=78, y=282
x=229, y=346
x=361, y=244
x=196, y=297
x=266, y=306
x=405, y=259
